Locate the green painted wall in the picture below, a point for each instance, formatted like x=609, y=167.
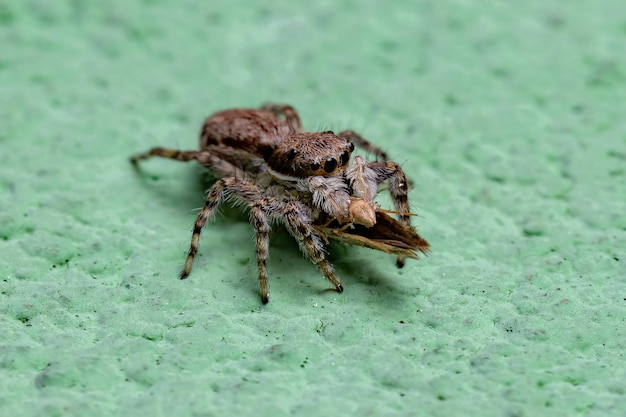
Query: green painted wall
x=509, y=117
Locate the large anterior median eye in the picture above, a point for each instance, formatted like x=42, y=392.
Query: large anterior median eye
x=330, y=165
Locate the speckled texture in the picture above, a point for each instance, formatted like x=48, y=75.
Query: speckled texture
x=509, y=116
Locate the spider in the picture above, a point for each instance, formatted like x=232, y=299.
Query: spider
x=265, y=161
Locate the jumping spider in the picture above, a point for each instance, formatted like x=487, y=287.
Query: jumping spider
x=265, y=161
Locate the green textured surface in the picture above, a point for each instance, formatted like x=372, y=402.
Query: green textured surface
x=508, y=115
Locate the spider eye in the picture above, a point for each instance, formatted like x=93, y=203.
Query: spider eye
x=292, y=154
x=330, y=131
x=343, y=157
x=315, y=166
x=351, y=147
x=330, y=165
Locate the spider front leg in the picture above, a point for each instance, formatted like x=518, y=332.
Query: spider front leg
x=398, y=187
x=367, y=146
x=365, y=177
x=399, y=190
x=361, y=142
x=288, y=112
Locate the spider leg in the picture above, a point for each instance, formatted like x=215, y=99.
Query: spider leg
x=263, y=208
x=251, y=195
x=288, y=112
x=183, y=156
x=226, y=187
x=261, y=225
x=398, y=188
x=298, y=222
x=218, y=166
x=213, y=200
x=369, y=147
x=364, y=144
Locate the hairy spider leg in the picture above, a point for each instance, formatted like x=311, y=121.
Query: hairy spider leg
x=288, y=112
x=398, y=189
x=263, y=208
x=361, y=142
x=213, y=163
x=298, y=221
x=369, y=147
x=183, y=156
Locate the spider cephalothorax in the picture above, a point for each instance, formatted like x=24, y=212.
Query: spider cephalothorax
x=303, y=155
x=305, y=180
